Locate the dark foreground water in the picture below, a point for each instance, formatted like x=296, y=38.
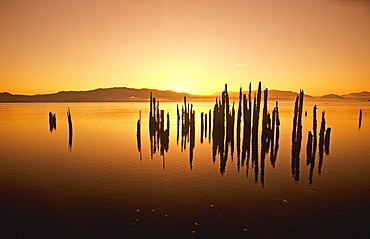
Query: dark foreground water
x=97, y=184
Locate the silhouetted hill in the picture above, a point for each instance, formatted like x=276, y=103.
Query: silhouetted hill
x=124, y=94
x=117, y=94
x=332, y=96
x=364, y=95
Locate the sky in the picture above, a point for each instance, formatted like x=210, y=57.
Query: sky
x=194, y=46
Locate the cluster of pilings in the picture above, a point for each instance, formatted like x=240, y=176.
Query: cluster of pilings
x=187, y=121
x=324, y=143
x=297, y=136
x=223, y=129
x=205, y=126
x=159, y=135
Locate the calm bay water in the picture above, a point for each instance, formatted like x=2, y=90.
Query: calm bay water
x=100, y=186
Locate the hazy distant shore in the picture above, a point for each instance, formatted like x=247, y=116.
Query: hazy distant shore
x=124, y=94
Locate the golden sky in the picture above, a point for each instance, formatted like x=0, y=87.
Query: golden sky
x=194, y=45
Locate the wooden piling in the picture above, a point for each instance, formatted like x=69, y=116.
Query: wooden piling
x=360, y=119
x=70, y=129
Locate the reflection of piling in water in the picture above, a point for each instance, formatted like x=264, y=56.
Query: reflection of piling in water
x=138, y=135
x=256, y=112
x=205, y=125
x=69, y=116
x=309, y=148
x=218, y=132
x=52, y=122
x=201, y=127
x=360, y=119
x=266, y=126
x=321, y=141
x=312, y=146
x=314, y=130
x=324, y=141
x=209, y=125
x=247, y=120
x=265, y=137
x=231, y=130
x=192, y=138
x=275, y=134
x=152, y=125
x=164, y=133
x=178, y=125
x=297, y=135
x=312, y=140
x=238, y=123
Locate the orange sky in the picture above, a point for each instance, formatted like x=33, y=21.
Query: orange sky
x=319, y=46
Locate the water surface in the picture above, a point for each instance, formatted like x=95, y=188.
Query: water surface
x=98, y=185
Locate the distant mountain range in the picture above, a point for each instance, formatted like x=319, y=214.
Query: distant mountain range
x=124, y=94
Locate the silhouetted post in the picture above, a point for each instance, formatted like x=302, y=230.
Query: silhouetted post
x=161, y=122
x=327, y=140
x=178, y=125
x=255, y=124
x=168, y=122
x=192, y=138
x=246, y=138
x=232, y=125
x=249, y=116
x=321, y=141
x=322, y=128
x=69, y=116
x=210, y=125
x=238, y=121
x=178, y=112
x=314, y=127
x=201, y=127
x=294, y=131
x=150, y=110
x=297, y=135
x=277, y=134
x=272, y=137
x=300, y=109
x=205, y=125
x=138, y=135
x=309, y=148
x=360, y=119
x=265, y=124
